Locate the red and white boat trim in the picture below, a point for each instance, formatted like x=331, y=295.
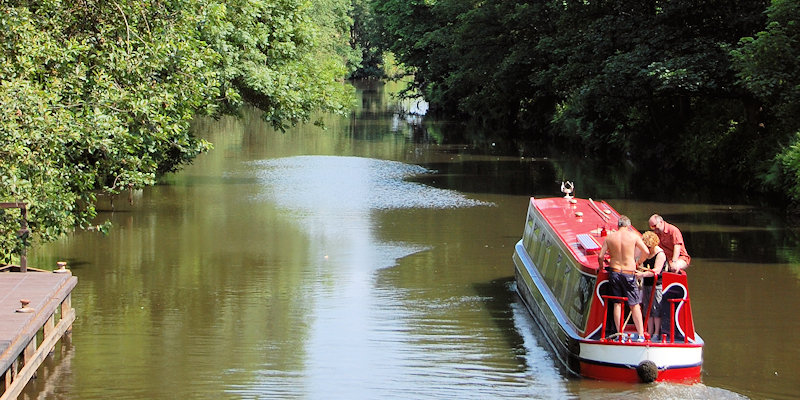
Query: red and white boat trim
x=618, y=361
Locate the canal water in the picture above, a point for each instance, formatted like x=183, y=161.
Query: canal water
x=373, y=260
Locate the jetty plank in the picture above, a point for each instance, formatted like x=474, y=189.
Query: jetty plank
x=49, y=296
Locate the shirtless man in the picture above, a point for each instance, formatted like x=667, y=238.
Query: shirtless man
x=621, y=246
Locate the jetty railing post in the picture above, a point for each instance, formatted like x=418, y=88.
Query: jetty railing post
x=66, y=306
x=23, y=257
x=23, y=232
x=7, y=378
x=11, y=374
x=48, y=330
x=27, y=354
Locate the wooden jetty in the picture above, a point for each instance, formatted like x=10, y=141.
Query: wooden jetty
x=35, y=313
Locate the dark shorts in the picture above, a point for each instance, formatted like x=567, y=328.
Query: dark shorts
x=655, y=307
x=624, y=285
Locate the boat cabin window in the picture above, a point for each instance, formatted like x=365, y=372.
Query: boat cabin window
x=530, y=235
x=578, y=311
x=571, y=288
x=543, y=259
x=555, y=277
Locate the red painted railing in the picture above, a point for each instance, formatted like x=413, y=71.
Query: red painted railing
x=605, y=314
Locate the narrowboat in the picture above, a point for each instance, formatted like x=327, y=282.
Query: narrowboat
x=559, y=280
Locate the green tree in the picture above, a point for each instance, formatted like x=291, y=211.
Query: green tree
x=634, y=74
x=365, y=39
x=646, y=79
x=280, y=56
x=97, y=97
x=501, y=74
x=768, y=64
x=408, y=30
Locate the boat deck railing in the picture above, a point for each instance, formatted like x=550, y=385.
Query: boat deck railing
x=605, y=316
x=672, y=305
x=619, y=337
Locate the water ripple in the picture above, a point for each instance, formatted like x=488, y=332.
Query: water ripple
x=352, y=184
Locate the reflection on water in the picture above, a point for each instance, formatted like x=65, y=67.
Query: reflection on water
x=341, y=185
x=55, y=369
x=374, y=260
x=362, y=327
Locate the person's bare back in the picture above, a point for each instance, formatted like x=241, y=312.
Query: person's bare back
x=621, y=248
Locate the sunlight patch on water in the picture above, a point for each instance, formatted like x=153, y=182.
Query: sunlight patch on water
x=352, y=184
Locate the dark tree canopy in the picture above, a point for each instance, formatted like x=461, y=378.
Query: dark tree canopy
x=702, y=88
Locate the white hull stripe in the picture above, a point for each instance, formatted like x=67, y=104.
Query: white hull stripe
x=665, y=357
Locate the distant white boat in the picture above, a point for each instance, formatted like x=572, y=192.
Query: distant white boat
x=419, y=107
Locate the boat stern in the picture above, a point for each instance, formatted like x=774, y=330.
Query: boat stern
x=641, y=362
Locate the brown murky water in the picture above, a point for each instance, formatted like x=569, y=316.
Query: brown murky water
x=373, y=260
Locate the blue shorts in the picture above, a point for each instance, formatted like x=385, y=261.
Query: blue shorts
x=624, y=285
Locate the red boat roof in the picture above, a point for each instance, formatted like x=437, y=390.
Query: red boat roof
x=578, y=223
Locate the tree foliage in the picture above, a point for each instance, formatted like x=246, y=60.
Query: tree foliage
x=768, y=65
x=97, y=97
x=670, y=85
x=365, y=40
